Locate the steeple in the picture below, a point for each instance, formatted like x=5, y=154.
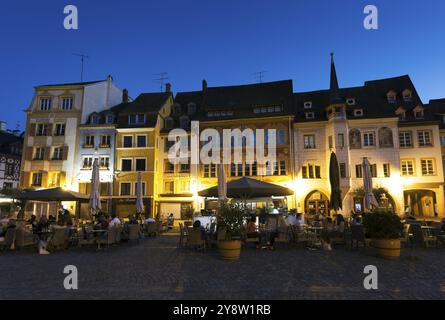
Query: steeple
x=334, y=89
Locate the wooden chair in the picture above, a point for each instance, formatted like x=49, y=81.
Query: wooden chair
x=86, y=236
x=151, y=229
x=419, y=237
x=59, y=239
x=134, y=232
x=195, y=239
x=108, y=239
x=24, y=238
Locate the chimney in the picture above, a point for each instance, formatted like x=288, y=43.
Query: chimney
x=168, y=87
x=125, y=96
x=2, y=126
x=204, y=86
x=110, y=78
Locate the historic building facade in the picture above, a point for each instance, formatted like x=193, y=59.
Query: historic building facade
x=52, y=134
x=11, y=145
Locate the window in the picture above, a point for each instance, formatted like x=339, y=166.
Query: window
x=341, y=140
x=37, y=179
x=141, y=141
x=240, y=172
x=125, y=189
x=308, y=105
x=331, y=142
x=143, y=188
x=126, y=165
x=309, y=115
x=42, y=129
x=9, y=169
x=60, y=129
x=141, y=164
x=309, y=141
x=39, y=153
x=58, y=153
x=392, y=97
x=87, y=162
x=136, y=118
x=89, y=141
x=342, y=170
x=358, y=112
x=254, y=170
x=105, y=141
x=268, y=168
x=269, y=109
x=418, y=114
x=8, y=185
x=374, y=170
x=169, y=167
x=350, y=101
x=311, y=171
x=128, y=142
x=45, y=104
x=169, y=187
x=442, y=141
x=184, y=168
x=355, y=139
x=407, y=167
x=104, y=162
x=67, y=103
x=407, y=95
x=232, y=170
x=405, y=139
x=427, y=167
x=424, y=138
x=184, y=122
x=386, y=170
x=168, y=123
x=385, y=138
x=191, y=108
x=177, y=109
x=210, y=171
x=54, y=179
x=281, y=137
x=213, y=170
x=95, y=119
x=368, y=139
x=109, y=119
x=282, y=168
x=358, y=171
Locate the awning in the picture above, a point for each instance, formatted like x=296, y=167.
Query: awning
x=246, y=188
x=53, y=194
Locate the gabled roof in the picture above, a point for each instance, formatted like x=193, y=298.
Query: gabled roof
x=146, y=102
x=70, y=84
x=437, y=109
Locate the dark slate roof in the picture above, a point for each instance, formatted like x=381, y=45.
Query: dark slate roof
x=7, y=140
x=371, y=98
x=241, y=99
x=70, y=84
x=437, y=109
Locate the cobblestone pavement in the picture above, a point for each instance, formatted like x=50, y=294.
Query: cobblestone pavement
x=156, y=269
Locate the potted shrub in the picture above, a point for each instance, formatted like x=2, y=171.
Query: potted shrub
x=384, y=228
x=230, y=219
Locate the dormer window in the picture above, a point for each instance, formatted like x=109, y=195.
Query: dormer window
x=269, y=109
x=95, y=119
x=110, y=119
x=184, y=122
x=308, y=105
x=191, y=108
x=168, y=123
x=407, y=95
x=177, y=109
x=391, y=96
x=418, y=112
x=358, y=112
x=310, y=115
x=136, y=118
x=350, y=102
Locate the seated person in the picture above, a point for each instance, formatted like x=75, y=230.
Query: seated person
x=197, y=226
x=101, y=224
x=356, y=220
x=251, y=229
x=114, y=221
x=148, y=219
x=170, y=221
x=51, y=219
x=291, y=220
x=339, y=223
x=299, y=222
x=132, y=220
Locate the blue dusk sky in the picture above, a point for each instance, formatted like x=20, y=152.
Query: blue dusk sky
x=225, y=42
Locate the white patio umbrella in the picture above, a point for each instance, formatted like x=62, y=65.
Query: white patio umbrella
x=370, y=200
x=140, y=208
x=94, y=203
x=222, y=184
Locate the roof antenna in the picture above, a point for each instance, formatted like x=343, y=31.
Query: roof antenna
x=260, y=75
x=162, y=77
x=82, y=60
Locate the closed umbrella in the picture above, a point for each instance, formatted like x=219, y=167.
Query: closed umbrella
x=140, y=208
x=94, y=204
x=370, y=200
x=222, y=184
x=334, y=179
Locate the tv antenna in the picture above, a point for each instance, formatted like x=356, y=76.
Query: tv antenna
x=82, y=60
x=162, y=77
x=260, y=75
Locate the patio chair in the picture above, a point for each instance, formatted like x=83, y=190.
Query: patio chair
x=419, y=237
x=358, y=236
x=7, y=242
x=195, y=239
x=108, y=238
x=134, y=232
x=151, y=229
x=24, y=238
x=119, y=229
x=247, y=240
x=86, y=236
x=183, y=240
x=59, y=238
x=283, y=237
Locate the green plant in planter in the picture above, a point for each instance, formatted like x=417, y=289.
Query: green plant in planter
x=382, y=224
x=230, y=218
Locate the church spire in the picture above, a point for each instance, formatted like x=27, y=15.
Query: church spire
x=334, y=88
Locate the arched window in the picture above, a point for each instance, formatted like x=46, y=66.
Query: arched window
x=355, y=139
x=385, y=138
